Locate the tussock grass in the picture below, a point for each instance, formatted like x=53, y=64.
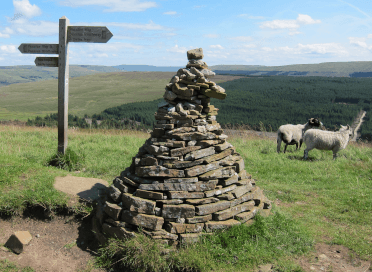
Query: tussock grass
x=332, y=198
x=319, y=199
x=240, y=248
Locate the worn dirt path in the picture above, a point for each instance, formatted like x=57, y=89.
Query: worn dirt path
x=358, y=126
x=63, y=244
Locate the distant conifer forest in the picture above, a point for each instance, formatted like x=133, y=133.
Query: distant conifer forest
x=262, y=103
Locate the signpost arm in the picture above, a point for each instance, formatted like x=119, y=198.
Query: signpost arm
x=63, y=82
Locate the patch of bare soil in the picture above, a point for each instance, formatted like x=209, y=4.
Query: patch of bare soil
x=335, y=258
x=65, y=243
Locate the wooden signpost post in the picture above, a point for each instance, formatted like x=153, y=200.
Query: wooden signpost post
x=67, y=33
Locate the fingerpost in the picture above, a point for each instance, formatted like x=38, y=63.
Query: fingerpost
x=67, y=33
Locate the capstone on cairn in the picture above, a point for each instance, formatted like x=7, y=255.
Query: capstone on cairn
x=186, y=180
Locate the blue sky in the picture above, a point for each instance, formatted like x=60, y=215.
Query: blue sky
x=159, y=32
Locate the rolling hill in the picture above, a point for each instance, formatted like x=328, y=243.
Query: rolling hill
x=30, y=73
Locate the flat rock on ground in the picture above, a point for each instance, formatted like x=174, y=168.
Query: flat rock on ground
x=85, y=188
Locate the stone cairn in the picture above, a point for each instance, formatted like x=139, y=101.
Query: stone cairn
x=186, y=178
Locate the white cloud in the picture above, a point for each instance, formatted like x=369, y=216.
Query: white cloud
x=306, y=19
x=199, y=7
x=9, y=49
x=212, y=36
x=25, y=8
x=176, y=49
x=218, y=46
x=369, y=36
x=113, y=5
x=170, y=12
x=319, y=48
x=8, y=30
x=280, y=24
x=4, y=35
x=242, y=38
x=302, y=19
x=359, y=42
x=216, y=54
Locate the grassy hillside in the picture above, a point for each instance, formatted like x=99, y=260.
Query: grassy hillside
x=269, y=102
x=318, y=200
x=87, y=94
x=30, y=73
x=335, y=67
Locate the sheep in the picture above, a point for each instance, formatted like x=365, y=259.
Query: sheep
x=292, y=134
x=327, y=140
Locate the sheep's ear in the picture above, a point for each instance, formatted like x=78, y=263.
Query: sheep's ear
x=343, y=126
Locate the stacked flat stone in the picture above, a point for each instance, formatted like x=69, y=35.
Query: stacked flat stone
x=186, y=178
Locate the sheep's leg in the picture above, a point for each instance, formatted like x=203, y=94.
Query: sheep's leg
x=285, y=148
x=296, y=146
x=300, y=144
x=306, y=154
x=279, y=143
x=335, y=150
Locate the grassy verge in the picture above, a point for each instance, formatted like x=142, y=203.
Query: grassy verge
x=27, y=180
x=275, y=239
x=333, y=199
x=319, y=199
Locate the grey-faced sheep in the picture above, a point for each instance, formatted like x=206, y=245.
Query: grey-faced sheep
x=292, y=134
x=327, y=140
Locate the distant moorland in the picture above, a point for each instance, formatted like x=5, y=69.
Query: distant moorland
x=263, y=103
x=31, y=73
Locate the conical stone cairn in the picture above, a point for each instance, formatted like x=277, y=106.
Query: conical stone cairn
x=187, y=179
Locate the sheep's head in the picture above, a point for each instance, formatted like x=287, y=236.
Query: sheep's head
x=348, y=129
x=315, y=122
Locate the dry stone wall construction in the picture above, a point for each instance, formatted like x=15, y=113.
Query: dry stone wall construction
x=187, y=179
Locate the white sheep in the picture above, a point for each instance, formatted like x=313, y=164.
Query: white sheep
x=292, y=134
x=327, y=140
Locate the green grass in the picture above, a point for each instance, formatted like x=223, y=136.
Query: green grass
x=6, y=266
x=25, y=153
x=70, y=245
x=241, y=248
x=319, y=199
x=332, y=198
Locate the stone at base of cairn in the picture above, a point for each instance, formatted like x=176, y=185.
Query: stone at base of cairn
x=186, y=180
